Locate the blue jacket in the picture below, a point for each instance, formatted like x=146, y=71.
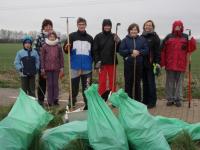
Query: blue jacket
x=27, y=62
x=127, y=46
x=81, y=51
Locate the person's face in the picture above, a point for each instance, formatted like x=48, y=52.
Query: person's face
x=107, y=28
x=48, y=28
x=81, y=26
x=52, y=37
x=133, y=32
x=178, y=28
x=27, y=45
x=148, y=27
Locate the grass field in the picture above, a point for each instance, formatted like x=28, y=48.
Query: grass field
x=9, y=77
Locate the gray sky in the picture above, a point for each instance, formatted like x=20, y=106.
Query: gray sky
x=27, y=15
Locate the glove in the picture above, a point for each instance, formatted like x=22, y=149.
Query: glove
x=156, y=69
x=98, y=65
x=116, y=38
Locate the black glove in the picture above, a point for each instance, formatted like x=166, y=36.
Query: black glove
x=156, y=69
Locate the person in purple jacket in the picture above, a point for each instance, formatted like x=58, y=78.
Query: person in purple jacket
x=52, y=64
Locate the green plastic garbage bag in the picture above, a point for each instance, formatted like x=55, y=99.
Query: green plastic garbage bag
x=141, y=128
x=22, y=124
x=172, y=126
x=104, y=129
x=57, y=138
x=193, y=130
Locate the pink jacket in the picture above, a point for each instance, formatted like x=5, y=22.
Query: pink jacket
x=52, y=57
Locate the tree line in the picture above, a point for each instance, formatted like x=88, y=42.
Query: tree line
x=9, y=36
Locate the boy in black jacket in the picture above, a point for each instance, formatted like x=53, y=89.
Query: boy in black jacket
x=104, y=50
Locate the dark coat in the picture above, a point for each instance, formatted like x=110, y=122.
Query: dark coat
x=104, y=48
x=153, y=41
x=127, y=46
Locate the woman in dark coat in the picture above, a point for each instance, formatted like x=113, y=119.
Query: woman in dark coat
x=151, y=64
x=133, y=48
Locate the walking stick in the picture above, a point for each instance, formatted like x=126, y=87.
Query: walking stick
x=134, y=71
x=189, y=70
x=69, y=63
x=114, y=70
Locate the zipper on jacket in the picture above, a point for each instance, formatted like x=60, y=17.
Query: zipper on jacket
x=81, y=56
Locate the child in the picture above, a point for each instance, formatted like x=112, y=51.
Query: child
x=81, y=59
x=52, y=64
x=27, y=63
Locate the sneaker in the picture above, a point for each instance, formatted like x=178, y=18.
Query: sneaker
x=178, y=104
x=170, y=103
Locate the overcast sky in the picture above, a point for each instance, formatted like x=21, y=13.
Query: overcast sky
x=27, y=15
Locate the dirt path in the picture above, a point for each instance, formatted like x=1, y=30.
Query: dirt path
x=8, y=97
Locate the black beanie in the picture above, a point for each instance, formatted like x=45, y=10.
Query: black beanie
x=107, y=22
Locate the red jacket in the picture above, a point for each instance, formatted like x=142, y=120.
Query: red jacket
x=174, y=52
x=52, y=57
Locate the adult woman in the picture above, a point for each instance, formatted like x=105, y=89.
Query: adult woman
x=151, y=61
x=47, y=27
x=133, y=48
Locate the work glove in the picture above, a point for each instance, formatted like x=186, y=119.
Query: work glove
x=156, y=69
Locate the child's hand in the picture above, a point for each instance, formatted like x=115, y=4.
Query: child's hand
x=43, y=74
x=61, y=74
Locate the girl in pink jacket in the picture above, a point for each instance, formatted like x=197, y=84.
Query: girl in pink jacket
x=52, y=64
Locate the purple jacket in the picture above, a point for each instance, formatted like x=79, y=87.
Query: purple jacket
x=52, y=57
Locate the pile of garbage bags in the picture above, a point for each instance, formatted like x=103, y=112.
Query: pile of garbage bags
x=133, y=128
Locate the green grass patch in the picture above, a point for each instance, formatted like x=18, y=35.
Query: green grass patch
x=9, y=78
x=4, y=111
x=183, y=141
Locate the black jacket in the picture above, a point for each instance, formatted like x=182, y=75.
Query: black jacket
x=104, y=48
x=154, y=49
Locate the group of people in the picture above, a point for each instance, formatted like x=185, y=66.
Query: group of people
x=143, y=57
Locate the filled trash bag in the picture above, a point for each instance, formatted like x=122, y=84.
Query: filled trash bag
x=193, y=130
x=172, y=126
x=141, y=128
x=25, y=120
x=104, y=130
x=59, y=137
